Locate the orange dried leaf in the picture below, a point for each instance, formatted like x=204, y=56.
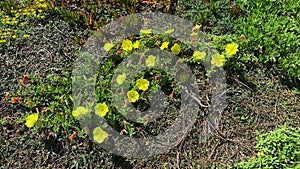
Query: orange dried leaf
x=156, y=77
x=30, y=103
x=24, y=79
x=150, y=2
x=172, y=94
x=72, y=136
x=15, y=99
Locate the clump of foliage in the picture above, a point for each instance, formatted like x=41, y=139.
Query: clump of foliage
x=270, y=33
x=95, y=14
x=277, y=149
x=216, y=17
x=142, y=84
x=47, y=103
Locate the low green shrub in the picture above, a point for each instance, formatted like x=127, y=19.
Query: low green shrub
x=47, y=103
x=276, y=149
x=271, y=32
x=216, y=17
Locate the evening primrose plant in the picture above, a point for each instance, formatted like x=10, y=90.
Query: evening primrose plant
x=15, y=16
x=150, y=79
x=50, y=104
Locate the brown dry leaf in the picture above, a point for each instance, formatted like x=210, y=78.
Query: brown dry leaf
x=72, y=136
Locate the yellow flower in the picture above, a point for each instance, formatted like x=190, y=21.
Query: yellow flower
x=199, y=55
x=121, y=78
x=150, y=61
x=31, y=119
x=136, y=44
x=194, y=34
x=2, y=41
x=133, y=96
x=108, y=46
x=44, y=5
x=79, y=111
x=218, y=60
x=169, y=31
x=175, y=48
x=260, y=154
x=164, y=45
x=146, y=31
x=127, y=45
x=42, y=17
x=142, y=84
x=26, y=36
x=101, y=109
x=197, y=27
x=231, y=49
x=99, y=135
x=14, y=36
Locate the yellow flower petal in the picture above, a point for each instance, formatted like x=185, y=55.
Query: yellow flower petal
x=150, y=61
x=146, y=31
x=199, y=55
x=218, y=60
x=101, y=109
x=175, y=48
x=108, y=46
x=231, y=49
x=169, y=31
x=164, y=45
x=121, y=78
x=133, y=96
x=142, y=84
x=194, y=34
x=127, y=45
x=31, y=120
x=26, y=36
x=99, y=135
x=79, y=111
x=197, y=27
x=136, y=44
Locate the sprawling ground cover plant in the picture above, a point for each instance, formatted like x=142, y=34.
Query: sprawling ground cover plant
x=216, y=17
x=276, y=149
x=269, y=32
x=14, y=18
x=49, y=102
